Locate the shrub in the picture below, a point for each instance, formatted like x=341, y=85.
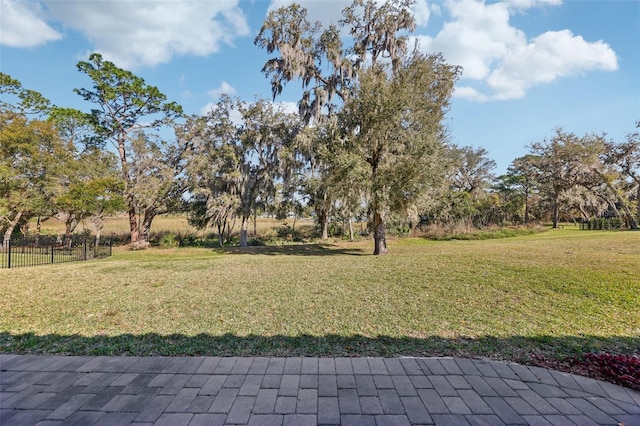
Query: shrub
x=169, y=241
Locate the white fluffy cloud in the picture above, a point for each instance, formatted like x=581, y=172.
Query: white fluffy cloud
x=224, y=89
x=499, y=56
x=129, y=32
x=22, y=25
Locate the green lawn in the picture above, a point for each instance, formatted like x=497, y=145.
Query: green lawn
x=559, y=293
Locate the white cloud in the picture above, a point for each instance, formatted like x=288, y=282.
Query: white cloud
x=421, y=13
x=286, y=107
x=224, y=89
x=22, y=25
x=499, y=56
x=137, y=32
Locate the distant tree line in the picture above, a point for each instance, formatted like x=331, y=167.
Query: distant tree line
x=369, y=143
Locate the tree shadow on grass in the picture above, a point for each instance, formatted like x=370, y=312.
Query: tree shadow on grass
x=294, y=250
x=516, y=348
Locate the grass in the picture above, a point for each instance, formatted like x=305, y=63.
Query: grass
x=559, y=293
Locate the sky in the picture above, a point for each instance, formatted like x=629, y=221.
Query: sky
x=529, y=66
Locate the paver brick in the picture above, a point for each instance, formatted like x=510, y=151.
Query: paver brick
x=286, y=405
x=394, y=366
x=365, y=385
x=392, y=420
x=276, y=366
x=456, y=405
x=207, y=419
x=442, y=386
x=415, y=410
x=234, y=381
x=583, y=420
x=411, y=366
x=432, y=401
x=484, y=420
x=504, y=410
x=327, y=385
x=328, y=411
x=450, y=366
x=468, y=367
x=309, y=381
x=357, y=420
x=360, y=366
x=307, y=401
x=541, y=405
x=433, y=367
x=537, y=420
x=377, y=366
x=175, y=385
x=370, y=405
x=343, y=366
x=300, y=420
x=173, y=419
x=449, y=420
x=266, y=420
x=208, y=365
x=200, y=404
x=390, y=401
x=191, y=365
x=69, y=407
x=224, y=400
x=500, y=387
x=326, y=366
x=183, y=399
x=265, y=401
x=384, y=382
x=271, y=381
x=241, y=366
x=309, y=366
x=349, y=402
x=292, y=366
x=196, y=381
x=251, y=385
x=154, y=408
x=259, y=365
x=474, y=401
x=241, y=410
x=403, y=386
x=595, y=413
x=346, y=381
x=290, y=385
x=521, y=406
x=116, y=419
x=213, y=385
x=225, y=365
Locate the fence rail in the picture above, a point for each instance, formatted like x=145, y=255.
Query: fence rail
x=41, y=250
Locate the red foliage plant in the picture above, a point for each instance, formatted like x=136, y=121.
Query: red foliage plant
x=623, y=370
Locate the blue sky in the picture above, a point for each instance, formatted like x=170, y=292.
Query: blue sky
x=529, y=65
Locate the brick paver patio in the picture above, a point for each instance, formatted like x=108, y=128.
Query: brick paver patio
x=59, y=390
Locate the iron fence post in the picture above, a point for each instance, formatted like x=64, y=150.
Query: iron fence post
x=9, y=254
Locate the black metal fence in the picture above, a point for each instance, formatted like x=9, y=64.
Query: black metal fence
x=45, y=250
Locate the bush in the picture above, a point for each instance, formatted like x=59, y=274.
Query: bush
x=169, y=241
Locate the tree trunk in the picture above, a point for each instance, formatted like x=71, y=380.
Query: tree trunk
x=351, y=230
x=556, y=213
x=526, y=206
x=255, y=223
x=323, y=218
x=133, y=225
x=221, y=226
x=9, y=231
x=146, y=226
x=244, y=231
x=379, y=234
